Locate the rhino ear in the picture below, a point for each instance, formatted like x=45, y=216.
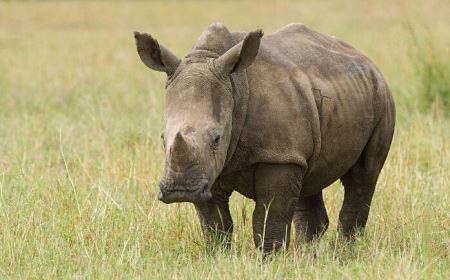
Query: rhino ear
x=241, y=55
x=154, y=55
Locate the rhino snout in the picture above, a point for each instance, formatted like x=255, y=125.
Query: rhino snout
x=198, y=192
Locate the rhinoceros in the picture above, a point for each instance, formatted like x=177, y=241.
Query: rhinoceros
x=276, y=118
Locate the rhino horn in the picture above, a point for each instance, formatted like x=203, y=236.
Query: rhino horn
x=180, y=147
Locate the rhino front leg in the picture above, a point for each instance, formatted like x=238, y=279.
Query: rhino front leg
x=215, y=219
x=277, y=188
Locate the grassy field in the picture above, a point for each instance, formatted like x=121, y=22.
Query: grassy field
x=80, y=154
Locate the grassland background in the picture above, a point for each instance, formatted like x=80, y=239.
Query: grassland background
x=80, y=155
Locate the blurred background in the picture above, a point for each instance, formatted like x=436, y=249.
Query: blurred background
x=80, y=153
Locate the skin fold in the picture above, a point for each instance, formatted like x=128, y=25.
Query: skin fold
x=276, y=118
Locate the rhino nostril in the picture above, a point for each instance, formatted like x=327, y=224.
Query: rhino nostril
x=204, y=186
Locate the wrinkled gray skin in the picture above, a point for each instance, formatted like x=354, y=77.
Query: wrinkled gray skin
x=276, y=119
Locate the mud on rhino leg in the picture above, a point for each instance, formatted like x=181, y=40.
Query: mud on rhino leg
x=310, y=218
x=215, y=220
x=359, y=182
x=277, y=188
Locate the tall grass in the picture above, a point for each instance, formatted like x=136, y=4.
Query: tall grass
x=80, y=154
x=432, y=66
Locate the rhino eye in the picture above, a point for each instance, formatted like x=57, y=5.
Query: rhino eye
x=216, y=141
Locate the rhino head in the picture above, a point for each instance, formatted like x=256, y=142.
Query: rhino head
x=199, y=108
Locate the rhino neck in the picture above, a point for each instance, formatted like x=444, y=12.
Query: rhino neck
x=216, y=38
x=241, y=94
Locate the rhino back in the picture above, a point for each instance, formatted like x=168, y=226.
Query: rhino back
x=314, y=101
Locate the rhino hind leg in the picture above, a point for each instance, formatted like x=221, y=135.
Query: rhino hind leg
x=355, y=208
x=360, y=181
x=310, y=218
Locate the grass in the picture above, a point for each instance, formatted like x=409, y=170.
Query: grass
x=433, y=72
x=80, y=154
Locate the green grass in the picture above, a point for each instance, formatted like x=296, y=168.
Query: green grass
x=432, y=66
x=80, y=154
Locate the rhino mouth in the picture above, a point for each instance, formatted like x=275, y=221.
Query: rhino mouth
x=200, y=194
